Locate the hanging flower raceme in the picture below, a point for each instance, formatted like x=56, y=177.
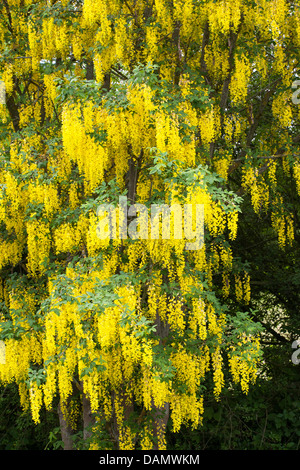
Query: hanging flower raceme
x=240, y=80
x=38, y=243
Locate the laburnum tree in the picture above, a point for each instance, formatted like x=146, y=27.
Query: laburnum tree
x=164, y=102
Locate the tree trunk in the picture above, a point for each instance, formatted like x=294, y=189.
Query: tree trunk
x=88, y=418
x=161, y=414
x=161, y=418
x=90, y=71
x=65, y=429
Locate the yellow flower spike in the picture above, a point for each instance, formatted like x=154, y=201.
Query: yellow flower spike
x=36, y=401
x=209, y=124
x=38, y=242
x=218, y=374
x=296, y=173
x=176, y=314
x=240, y=80
x=232, y=223
x=290, y=231
x=238, y=288
x=226, y=285
x=246, y=288
x=147, y=437
x=282, y=109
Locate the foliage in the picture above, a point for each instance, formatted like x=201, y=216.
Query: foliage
x=179, y=103
x=17, y=430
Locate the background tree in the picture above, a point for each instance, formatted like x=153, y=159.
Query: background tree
x=164, y=102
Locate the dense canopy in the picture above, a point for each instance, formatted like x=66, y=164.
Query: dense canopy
x=162, y=103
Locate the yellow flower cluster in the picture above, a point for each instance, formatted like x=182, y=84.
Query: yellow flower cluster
x=122, y=349
x=54, y=38
x=66, y=238
x=18, y=355
x=258, y=188
x=39, y=244
x=176, y=315
x=80, y=147
x=296, y=173
x=34, y=46
x=217, y=363
x=36, y=400
x=209, y=125
x=217, y=61
x=164, y=15
x=222, y=165
x=240, y=80
x=132, y=129
x=224, y=15
x=283, y=226
x=272, y=172
x=8, y=79
x=151, y=40
x=197, y=321
x=278, y=12
x=242, y=288
x=282, y=110
x=232, y=223
x=242, y=368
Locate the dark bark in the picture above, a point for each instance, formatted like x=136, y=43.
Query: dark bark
x=88, y=418
x=90, y=73
x=132, y=176
x=13, y=112
x=161, y=418
x=106, y=82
